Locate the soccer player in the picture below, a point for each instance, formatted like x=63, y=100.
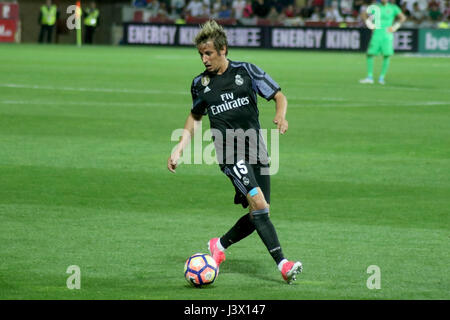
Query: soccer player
x=227, y=91
x=382, y=41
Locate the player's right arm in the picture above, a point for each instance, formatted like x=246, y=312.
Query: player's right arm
x=367, y=20
x=193, y=121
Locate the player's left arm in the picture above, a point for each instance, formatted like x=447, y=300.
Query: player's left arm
x=267, y=88
x=280, y=112
x=400, y=18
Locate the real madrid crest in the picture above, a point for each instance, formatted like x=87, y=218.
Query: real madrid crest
x=238, y=80
x=205, y=80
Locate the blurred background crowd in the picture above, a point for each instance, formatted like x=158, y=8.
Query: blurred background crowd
x=420, y=13
x=103, y=21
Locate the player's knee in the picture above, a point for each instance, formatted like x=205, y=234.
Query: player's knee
x=260, y=214
x=260, y=204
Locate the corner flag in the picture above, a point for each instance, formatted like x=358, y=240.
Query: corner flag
x=78, y=22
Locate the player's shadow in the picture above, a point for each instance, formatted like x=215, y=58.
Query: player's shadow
x=248, y=267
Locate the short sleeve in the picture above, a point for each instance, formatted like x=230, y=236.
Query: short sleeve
x=198, y=105
x=264, y=85
x=371, y=10
x=397, y=10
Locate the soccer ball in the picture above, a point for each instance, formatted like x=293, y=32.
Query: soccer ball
x=200, y=270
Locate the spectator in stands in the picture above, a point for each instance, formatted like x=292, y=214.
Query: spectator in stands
x=332, y=13
x=289, y=11
x=238, y=8
x=408, y=3
x=291, y=16
x=316, y=3
x=273, y=16
x=434, y=11
x=363, y=9
x=278, y=4
x=215, y=7
x=301, y=7
x=446, y=13
x=153, y=5
x=260, y=9
x=206, y=11
x=423, y=4
x=195, y=8
x=140, y=3
x=207, y=3
x=177, y=6
x=405, y=10
x=47, y=19
x=419, y=16
x=248, y=9
x=162, y=12
x=409, y=23
x=346, y=8
x=316, y=15
x=225, y=2
x=224, y=12
x=433, y=3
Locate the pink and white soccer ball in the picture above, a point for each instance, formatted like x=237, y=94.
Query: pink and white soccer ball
x=200, y=270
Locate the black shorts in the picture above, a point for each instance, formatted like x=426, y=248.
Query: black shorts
x=245, y=177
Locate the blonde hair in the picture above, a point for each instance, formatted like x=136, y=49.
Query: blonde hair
x=212, y=31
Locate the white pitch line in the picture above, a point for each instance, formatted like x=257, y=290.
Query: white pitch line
x=152, y=92
x=88, y=103
x=359, y=86
x=294, y=97
x=360, y=104
x=109, y=90
x=372, y=105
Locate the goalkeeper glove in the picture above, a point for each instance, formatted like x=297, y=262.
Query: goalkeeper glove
x=396, y=26
x=370, y=24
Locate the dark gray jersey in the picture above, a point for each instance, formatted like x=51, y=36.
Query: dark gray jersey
x=230, y=100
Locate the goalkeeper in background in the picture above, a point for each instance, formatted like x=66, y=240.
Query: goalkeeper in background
x=384, y=19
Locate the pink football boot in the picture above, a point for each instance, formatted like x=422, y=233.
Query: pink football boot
x=290, y=270
x=217, y=254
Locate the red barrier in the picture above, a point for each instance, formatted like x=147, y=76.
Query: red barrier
x=8, y=29
x=9, y=21
x=9, y=10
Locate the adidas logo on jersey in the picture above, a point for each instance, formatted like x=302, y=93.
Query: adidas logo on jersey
x=207, y=89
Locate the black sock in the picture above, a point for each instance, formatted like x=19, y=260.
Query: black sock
x=243, y=228
x=268, y=234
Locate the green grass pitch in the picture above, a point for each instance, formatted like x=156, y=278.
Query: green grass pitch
x=84, y=139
